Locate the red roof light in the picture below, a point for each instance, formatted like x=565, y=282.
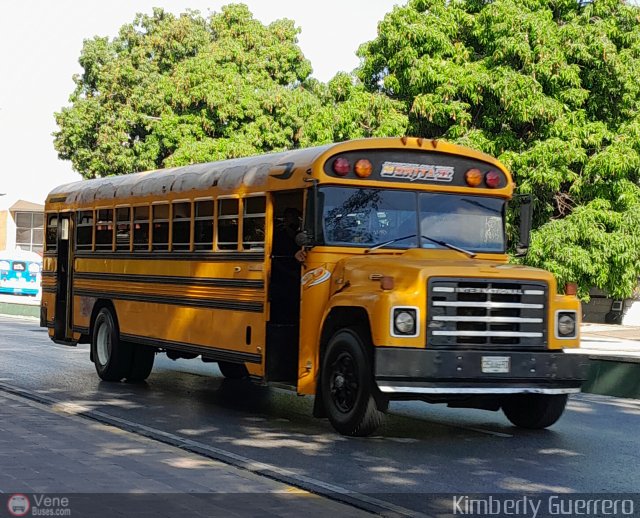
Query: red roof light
x=492, y=179
x=341, y=166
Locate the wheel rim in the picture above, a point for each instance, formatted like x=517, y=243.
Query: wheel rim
x=103, y=344
x=343, y=382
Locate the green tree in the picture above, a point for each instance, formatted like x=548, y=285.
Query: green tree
x=170, y=91
x=551, y=88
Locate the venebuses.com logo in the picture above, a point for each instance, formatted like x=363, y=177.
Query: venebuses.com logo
x=19, y=504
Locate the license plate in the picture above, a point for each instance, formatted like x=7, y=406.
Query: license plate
x=496, y=364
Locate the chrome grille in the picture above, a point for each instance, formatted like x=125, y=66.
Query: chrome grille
x=486, y=314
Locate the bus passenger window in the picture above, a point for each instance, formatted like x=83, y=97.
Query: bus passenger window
x=228, y=224
x=52, y=232
x=84, y=230
x=253, y=223
x=141, y=228
x=181, y=235
x=104, y=229
x=160, y=235
x=123, y=228
x=203, y=226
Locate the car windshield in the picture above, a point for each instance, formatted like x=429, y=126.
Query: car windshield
x=369, y=217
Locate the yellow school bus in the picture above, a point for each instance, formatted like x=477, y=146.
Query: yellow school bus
x=404, y=289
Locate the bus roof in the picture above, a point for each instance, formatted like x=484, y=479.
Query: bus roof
x=230, y=175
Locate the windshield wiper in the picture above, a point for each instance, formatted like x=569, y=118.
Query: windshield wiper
x=385, y=243
x=437, y=241
x=449, y=245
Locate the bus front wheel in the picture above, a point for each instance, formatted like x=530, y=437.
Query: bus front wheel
x=111, y=357
x=534, y=411
x=347, y=385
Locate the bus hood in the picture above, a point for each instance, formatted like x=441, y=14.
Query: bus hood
x=418, y=265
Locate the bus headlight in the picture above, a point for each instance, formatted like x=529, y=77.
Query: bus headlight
x=405, y=322
x=566, y=324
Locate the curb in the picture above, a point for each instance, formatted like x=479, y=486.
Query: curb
x=613, y=376
x=19, y=310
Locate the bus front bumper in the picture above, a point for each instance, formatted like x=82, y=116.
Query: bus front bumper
x=404, y=371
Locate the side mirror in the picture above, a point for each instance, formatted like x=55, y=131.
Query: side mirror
x=303, y=239
x=526, y=217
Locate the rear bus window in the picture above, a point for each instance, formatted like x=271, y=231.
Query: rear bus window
x=253, y=223
x=141, y=228
x=228, y=224
x=104, y=229
x=160, y=236
x=203, y=225
x=84, y=230
x=181, y=231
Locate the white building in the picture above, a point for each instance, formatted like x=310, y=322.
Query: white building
x=21, y=225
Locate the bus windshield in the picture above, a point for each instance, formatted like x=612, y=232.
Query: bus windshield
x=368, y=217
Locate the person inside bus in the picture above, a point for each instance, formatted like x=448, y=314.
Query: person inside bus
x=285, y=269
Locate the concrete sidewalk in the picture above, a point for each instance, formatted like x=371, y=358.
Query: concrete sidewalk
x=45, y=450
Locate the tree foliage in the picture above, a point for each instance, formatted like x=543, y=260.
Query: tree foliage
x=172, y=90
x=551, y=88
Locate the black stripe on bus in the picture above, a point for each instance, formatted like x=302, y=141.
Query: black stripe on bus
x=81, y=330
x=51, y=324
x=255, y=307
x=48, y=274
x=236, y=257
x=47, y=289
x=207, y=352
x=170, y=279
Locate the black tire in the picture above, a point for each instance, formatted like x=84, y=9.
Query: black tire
x=141, y=362
x=111, y=357
x=347, y=386
x=233, y=371
x=534, y=411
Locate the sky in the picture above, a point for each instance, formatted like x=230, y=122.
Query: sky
x=41, y=40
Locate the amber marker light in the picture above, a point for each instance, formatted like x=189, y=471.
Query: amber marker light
x=363, y=168
x=571, y=288
x=492, y=179
x=387, y=283
x=473, y=177
x=341, y=166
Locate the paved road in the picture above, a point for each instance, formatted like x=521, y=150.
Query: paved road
x=422, y=449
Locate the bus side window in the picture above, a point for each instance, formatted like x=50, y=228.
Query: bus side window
x=181, y=233
x=141, y=228
x=253, y=223
x=104, y=230
x=228, y=224
x=52, y=232
x=123, y=228
x=160, y=232
x=84, y=230
x=203, y=225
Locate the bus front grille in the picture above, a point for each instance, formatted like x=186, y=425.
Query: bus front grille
x=486, y=314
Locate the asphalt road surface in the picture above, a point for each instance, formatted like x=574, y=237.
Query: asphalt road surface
x=422, y=449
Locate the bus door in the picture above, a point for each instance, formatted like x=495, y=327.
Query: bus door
x=284, y=289
x=62, y=329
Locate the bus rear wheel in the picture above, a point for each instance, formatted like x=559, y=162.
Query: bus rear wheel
x=347, y=386
x=141, y=362
x=534, y=411
x=111, y=357
x=233, y=371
